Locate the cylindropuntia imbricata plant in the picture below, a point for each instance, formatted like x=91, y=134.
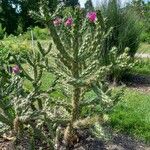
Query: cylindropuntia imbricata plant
x=26, y=107
x=120, y=63
x=78, y=39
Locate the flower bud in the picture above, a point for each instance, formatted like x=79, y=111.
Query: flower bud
x=69, y=22
x=16, y=69
x=57, y=22
x=92, y=16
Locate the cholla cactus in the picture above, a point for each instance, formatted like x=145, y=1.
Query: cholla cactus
x=26, y=106
x=9, y=89
x=37, y=62
x=120, y=63
x=78, y=39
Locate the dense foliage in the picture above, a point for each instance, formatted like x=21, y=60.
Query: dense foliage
x=14, y=14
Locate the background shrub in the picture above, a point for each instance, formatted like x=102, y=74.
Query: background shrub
x=145, y=37
x=15, y=45
x=142, y=67
x=38, y=33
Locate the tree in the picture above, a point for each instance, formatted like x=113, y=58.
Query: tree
x=141, y=8
x=24, y=18
x=71, y=2
x=53, y=4
x=138, y=6
x=27, y=5
x=89, y=5
x=8, y=16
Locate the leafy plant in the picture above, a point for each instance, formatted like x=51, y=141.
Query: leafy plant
x=142, y=10
x=142, y=67
x=145, y=36
x=15, y=45
x=3, y=53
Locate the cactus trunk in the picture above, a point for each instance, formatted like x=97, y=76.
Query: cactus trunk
x=75, y=102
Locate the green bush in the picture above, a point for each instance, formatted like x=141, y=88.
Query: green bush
x=145, y=37
x=16, y=45
x=144, y=21
x=3, y=52
x=19, y=30
x=38, y=33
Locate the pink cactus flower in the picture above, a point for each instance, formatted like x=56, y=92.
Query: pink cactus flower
x=69, y=22
x=16, y=69
x=57, y=22
x=92, y=16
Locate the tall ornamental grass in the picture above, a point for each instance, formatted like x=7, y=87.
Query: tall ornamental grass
x=126, y=29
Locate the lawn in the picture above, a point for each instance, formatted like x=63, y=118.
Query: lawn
x=142, y=67
x=132, y=115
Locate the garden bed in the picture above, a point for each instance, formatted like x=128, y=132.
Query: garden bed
x=86, y=142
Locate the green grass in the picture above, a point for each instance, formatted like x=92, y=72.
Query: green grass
x=144, y=48
x=132, y=115
x=142, y=67
x=46, y=82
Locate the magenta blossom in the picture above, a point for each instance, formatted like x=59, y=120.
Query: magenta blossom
x=57, y=22
x=92, y=16
x=69, y=22
x=16, y=69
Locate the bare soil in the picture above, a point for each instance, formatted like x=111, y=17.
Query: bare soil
x=86, y=142
x=116, y=142
x=137, y=82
